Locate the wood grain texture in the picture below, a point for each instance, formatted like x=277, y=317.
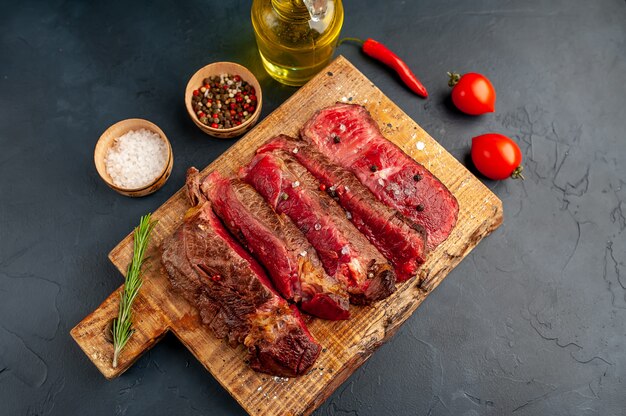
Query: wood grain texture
x=347, y=344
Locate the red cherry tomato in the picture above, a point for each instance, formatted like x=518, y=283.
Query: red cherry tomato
x=472, y=93
x=496, y=156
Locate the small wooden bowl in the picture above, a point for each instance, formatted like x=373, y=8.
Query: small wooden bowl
x=218, y=68
x=108, y=139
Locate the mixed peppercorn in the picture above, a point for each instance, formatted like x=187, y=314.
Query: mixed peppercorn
x=224, y=101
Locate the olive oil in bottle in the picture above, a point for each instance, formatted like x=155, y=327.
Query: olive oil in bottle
x=296, y=38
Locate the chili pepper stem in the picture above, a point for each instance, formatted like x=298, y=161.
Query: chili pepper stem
x=517, y=173
x=357, y=40
x=454, y=78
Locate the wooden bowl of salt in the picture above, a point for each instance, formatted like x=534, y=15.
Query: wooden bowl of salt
x=134, y=157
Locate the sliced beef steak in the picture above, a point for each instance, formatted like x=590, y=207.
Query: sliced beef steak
x=401, y=244
x=279, y=245
x=234, y=295
x=345, y=253
x=349, y=137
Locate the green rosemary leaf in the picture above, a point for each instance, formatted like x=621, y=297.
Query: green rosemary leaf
x=122, y=325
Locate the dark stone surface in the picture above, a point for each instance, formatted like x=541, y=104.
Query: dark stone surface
x=533, y=322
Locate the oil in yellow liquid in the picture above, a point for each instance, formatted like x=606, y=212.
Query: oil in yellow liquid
x=294, y=47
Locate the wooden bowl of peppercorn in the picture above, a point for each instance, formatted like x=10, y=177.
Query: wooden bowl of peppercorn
x=224, y=99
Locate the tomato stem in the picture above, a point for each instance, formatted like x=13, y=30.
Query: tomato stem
x=454, y=78
x=517, y=173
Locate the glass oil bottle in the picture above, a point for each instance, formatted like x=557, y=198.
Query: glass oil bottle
x=296, y=38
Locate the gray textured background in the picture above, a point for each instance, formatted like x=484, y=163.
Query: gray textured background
x=533, y=322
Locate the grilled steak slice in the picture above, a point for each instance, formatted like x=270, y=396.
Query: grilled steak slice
x=279, y=245
x=401, y=244
x=345, y=253
x=234, y=295
x=349, y=137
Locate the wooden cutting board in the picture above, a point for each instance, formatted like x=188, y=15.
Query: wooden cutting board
x=347, y=344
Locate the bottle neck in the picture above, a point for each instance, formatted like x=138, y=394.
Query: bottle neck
x=291, y=9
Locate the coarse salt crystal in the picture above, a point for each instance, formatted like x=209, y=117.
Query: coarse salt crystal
x=420, y=145
x=303, y=253
x=317, y=227
x=136, y=159
x=295, y=150
x=295, y=184
x=342, y=127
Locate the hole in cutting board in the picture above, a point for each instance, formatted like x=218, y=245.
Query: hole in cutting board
x=108, y=332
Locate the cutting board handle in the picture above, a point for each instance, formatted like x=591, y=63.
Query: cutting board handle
x=93, y=333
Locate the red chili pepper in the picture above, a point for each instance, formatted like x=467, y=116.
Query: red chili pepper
x=381, y=53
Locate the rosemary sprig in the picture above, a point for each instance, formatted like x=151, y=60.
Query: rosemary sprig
x=122, y=326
